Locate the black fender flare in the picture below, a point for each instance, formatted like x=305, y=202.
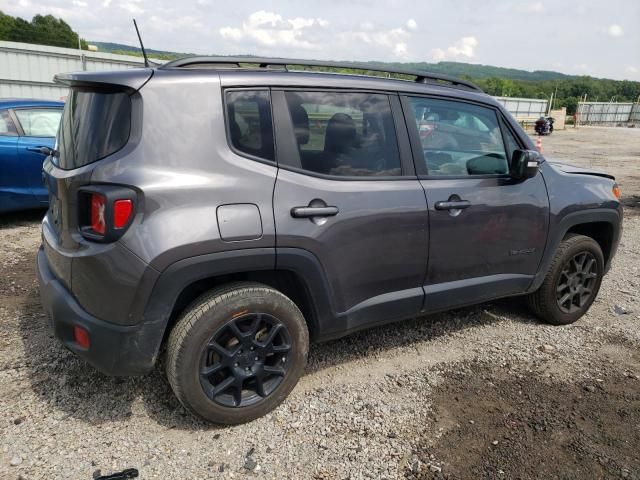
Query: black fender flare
x=179, y=275
x=606, y=215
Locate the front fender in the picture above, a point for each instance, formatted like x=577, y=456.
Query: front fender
x=604, y=215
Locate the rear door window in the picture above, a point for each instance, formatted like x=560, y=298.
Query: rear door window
x=95, y=124
x=249, y=123
x=344, y=133
x=39, y=122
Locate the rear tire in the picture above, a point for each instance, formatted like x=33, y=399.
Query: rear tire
x=237, y=352
x=572, y=282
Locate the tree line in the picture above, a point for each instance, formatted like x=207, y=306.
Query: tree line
x=41, y=30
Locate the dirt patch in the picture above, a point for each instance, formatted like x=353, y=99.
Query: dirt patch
x=518, y=424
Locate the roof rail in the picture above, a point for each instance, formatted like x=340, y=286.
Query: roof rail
x=235, y=62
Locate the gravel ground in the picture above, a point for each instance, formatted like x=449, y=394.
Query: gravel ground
x=482, y=392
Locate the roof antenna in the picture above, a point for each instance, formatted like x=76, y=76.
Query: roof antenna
x=144, y=52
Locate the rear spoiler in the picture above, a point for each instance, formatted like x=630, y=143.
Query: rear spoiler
x=130, y=80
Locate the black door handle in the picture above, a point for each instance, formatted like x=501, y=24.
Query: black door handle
x=307, y=212
x=43, y=150
x=452, y=205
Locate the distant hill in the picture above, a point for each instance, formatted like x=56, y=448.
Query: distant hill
x=120, y=48
x=477, y=71
x=455, y=69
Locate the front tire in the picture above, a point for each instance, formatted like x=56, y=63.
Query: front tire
x=572, y=283
x=237, y=352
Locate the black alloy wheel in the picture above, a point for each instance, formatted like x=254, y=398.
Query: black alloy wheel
x=245, y=360
x=576, y=282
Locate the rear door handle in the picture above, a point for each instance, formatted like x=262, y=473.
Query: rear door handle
x=452, y=205
x=307, y=212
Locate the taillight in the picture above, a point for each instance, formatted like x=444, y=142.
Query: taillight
x=105, y=211
x=122, y=210
x=98, y=203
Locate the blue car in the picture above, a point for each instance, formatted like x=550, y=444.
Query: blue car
x=27, y=135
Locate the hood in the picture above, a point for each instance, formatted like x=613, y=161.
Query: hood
x=563, y=167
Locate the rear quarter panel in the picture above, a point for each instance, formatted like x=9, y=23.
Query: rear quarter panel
x=184, y=170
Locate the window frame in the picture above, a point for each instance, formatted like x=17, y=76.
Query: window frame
x=416, y=145
x=16, y=121
x=287, y=149
x=227, y=125
x=504, y=126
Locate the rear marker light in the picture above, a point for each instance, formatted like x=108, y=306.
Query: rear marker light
x=81, y=336
x=121, y=213
x=97, y=213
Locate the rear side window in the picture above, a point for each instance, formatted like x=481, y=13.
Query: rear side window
x=94, y=124
x=7, y=128
x=39, y=122
x=458, y=139
x=249, y=123
x=344, y=133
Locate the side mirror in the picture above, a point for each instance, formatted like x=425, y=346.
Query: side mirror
x=524, y=164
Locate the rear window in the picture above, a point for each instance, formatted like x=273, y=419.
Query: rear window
x=94, y=124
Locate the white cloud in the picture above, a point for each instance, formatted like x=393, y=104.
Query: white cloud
x=412, y=24
x=631, y=69
x=131, y=7
x=271, y=29
x=615, y=30
x=462, y=49
x=106, y=3
x=537, y=7
x=394, y=40
x=79, y=3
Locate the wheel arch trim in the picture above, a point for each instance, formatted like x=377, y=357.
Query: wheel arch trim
x=571, y=220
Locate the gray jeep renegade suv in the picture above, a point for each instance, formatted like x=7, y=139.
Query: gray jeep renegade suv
x=229, y=213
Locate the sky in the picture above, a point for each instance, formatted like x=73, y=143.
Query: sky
x=585, y=37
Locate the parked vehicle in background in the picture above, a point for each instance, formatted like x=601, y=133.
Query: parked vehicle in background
x=544, y=126
x=230, y=214
x=27, y=136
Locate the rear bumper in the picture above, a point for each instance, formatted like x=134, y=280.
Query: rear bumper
x=114, y=349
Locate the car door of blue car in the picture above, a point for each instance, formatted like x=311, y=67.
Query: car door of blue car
x=12, y=179
x=39, y=127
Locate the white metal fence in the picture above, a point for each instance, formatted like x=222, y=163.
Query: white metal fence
x=608, y=113
x=27, y=70
x=524, y=109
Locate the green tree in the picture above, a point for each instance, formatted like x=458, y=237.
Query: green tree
x=43, y=30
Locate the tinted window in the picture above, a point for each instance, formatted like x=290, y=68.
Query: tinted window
x=249, y=123
x=39, y=122
x=458, y=138
x=6, y=124
x=344, y=134
x=94, y=125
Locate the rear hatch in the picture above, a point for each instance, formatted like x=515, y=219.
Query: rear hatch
x=95, y=125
